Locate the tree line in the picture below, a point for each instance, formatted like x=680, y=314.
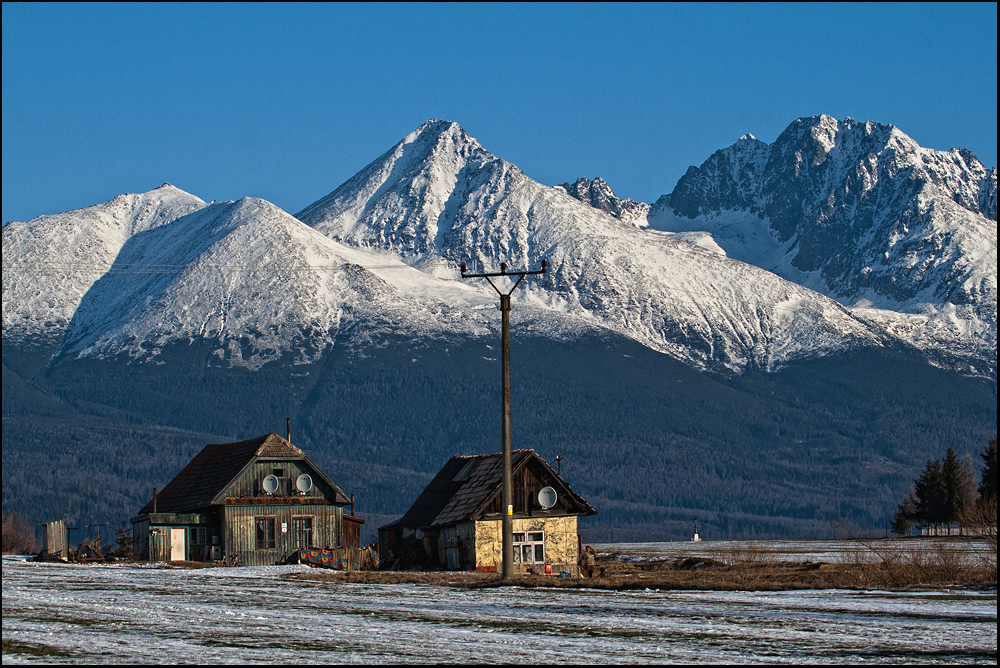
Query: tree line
x=946, y=493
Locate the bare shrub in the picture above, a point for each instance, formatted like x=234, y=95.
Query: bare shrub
x=18, y=535
x=980, y=520
x=895, y=562
x=750, y=563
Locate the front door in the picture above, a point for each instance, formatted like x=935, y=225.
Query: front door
x=177, y=544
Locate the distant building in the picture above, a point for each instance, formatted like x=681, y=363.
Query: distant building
x=455, y=524
x=253, y=502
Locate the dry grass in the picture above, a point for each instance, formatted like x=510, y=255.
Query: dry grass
x=620, y=575
x=737, y=566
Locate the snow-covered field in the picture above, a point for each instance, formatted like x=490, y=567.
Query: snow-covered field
x=55, y=613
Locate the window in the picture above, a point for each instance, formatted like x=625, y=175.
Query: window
x=302, y=532
x=199, y=536
x=529, y=547
x=265, y=533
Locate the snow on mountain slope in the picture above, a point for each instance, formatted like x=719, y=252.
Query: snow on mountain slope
x=380, y=255
x=258, y=283
x=50, y=262
x=438, y=195
x=861, y=213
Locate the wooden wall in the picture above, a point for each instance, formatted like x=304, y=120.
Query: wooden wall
x=240, y=530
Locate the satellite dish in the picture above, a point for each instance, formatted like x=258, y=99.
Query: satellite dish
x=304, y=483
x=271, y=484
x=547, y=497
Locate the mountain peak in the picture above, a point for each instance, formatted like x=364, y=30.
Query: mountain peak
x=441, y=132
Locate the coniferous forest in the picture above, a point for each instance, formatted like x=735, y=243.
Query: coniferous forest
x=649, y=442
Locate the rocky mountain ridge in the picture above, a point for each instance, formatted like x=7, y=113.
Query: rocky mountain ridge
x=727, y=289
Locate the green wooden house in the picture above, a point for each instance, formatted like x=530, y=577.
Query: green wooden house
x=253, y=502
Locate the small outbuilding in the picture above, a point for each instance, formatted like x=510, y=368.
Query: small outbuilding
x=254, y=502
x=456, y=523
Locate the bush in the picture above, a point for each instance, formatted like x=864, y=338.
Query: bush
x=18, y=535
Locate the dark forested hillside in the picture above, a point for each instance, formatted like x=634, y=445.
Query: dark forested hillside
x=649, y=442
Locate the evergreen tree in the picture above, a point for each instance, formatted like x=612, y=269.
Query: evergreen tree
x=959, y=486
x=930, y=493
x=988, y=482
x=906, y=514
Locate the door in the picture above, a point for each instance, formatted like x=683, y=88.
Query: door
x=177, y=544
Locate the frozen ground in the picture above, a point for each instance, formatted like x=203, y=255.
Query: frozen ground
x=55, y=613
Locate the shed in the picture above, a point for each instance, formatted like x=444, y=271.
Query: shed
x=456, y=523
x=254, y=502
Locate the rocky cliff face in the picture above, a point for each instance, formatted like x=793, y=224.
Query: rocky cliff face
x=874, y=214
x=861, y=213
x=598, y=194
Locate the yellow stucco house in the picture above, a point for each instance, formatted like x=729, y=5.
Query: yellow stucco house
x=455, y=524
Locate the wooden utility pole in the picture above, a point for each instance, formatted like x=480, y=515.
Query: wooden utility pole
x=507, y=505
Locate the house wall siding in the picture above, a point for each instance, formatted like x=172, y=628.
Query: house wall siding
x=240, y=530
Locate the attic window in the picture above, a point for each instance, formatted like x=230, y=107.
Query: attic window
x=278, y=473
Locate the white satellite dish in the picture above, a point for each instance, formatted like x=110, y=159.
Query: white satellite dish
x=271, y=484
x=547, y=497
x=304, y=483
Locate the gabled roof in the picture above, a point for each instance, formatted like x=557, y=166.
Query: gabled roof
x=464, y=486
x=206, y=477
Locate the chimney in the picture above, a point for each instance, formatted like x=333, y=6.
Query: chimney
x=154, y=499
x=288, y=427
x=352, y=505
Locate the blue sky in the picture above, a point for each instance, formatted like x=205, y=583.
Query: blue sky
x=287, y=101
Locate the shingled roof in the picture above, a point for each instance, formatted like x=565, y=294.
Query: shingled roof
x=212, y=470
x=464, y=486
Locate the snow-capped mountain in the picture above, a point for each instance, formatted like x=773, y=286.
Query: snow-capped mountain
x=245, y=276
x=50, y=262
x=728, y=289
x=906, y=236
x=438, y=196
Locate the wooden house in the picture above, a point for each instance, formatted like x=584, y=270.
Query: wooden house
x=253, y=502
x=456, y=523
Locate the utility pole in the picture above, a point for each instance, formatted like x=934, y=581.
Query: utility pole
x=507, y=505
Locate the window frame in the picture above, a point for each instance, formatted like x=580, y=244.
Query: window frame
x=299, y=531
x=266, y=532
x=525, y=545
